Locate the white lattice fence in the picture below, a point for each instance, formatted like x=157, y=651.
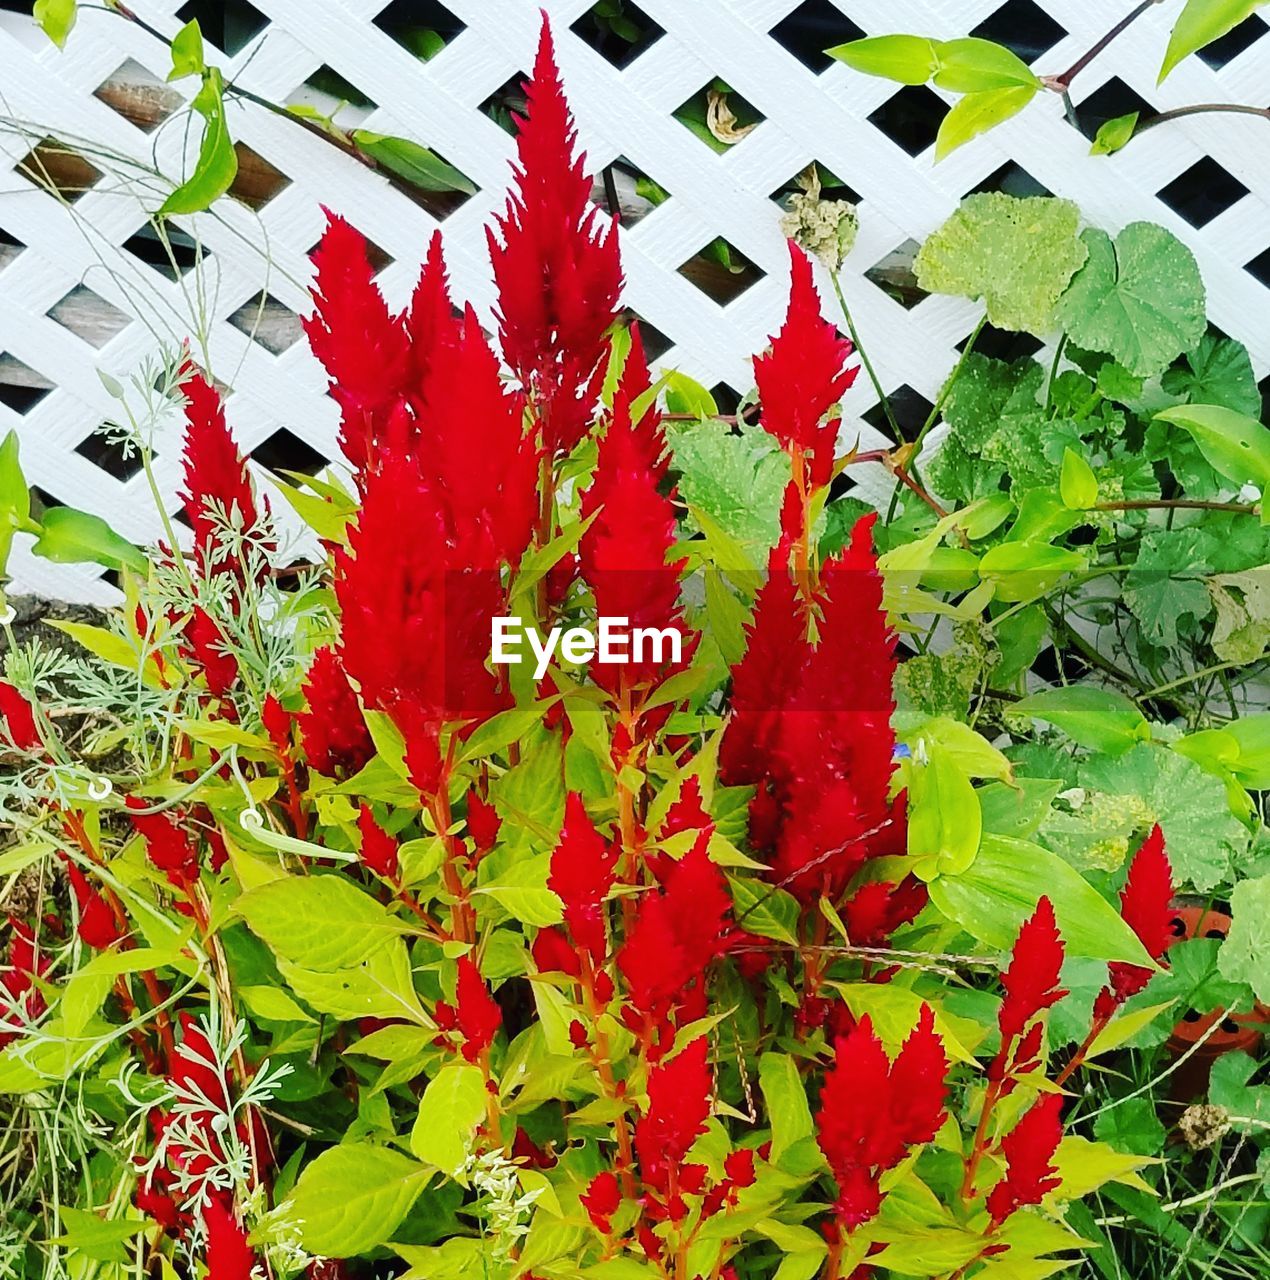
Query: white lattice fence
x=812, y=111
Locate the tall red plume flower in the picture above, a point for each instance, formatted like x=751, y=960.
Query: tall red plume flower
x=1029, y=1152
x=429, y=319
x=216, y=481
x=479, y=1017
x=276, y=720
x=803, y=375
x=601, y=1200
x=204, y=645
x=18, y=718
x=583, y=867
x=483, y=822
x=168, y=844
x=558, y=272
x=626, y=549
x=873, y=1110
x=379, y=849
x=1145, y=906
x=97, y=926
x=1031, y=980
x=229, y=1256
x=876, y=910
x=333, y=731
x=21, y=1001
x=678, y=1107
x=363, y=347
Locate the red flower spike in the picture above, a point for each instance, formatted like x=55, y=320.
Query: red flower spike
x=739, y=1167
x=168, y=844
x=97, y=925
x=21, y=1001
x=803, y=375
x=379, y=849
x=483, y=822
x=558, y=273
x=1031, y=981
x=1145, y=907
x=687, y=813
x=229, y=1256
x=277, y=724
x=601, y=1200
x=553, y=953
x=479, y=1017
x=205, y=645
x=678, y=1107
x=430, y=321
x=18, y=719
x=333, y=731
x=918, y=1086
x=583, y=867
x=1029, y=1152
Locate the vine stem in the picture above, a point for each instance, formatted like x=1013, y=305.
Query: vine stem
x=1060, y=84
x=1202, y=108
x=1177, y=504
x=864, y=357
x=1190, y=677
x=938, y=407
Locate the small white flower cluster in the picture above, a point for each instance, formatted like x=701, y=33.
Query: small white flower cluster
x=506, y=1210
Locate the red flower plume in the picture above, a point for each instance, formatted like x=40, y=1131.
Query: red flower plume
x=582, y=870
x=333, y=731
x=97, y=925
x=21, y=1001
x=483, y=822
x=558, y=273
x=678, y=1106
x=1029, y=1151
x=1031, y=981
x=203, y=643
x=479, y=1017
x=1145, y=906
x=601, y=1200
x=229, y=1256
x=379, y=849
x=18, y=719
x=803, y=374
x=168, y=844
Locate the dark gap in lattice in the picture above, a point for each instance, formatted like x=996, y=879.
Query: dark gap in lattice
x=638, y=193
x=1234, y=42
x=377, y=257
x=285, y=451
x=1001, y=344
x=1259, y=268
x=1012, y=179
x=721, y=271
x=89, y=316
x=1264, y=387
x=506, y=101
x=832, y=187
x=1109, y=102
x=618, y=31
x=656, y=344
x=694, y=114
x=257, y=181
x=1022, y=26
x=910, y=118
x=109, y=456
x=21, y=387
x=893, y=274
x=726, y=400
x=329, y=81
x=10, y=248
x=911, y=410
x=1203, y=192
x=229, y=24
x=41, y=501
x=58, y=168
x=135, y=93
x=171, y=259
x=267, y=322
x=816, y=25
x=421, y=27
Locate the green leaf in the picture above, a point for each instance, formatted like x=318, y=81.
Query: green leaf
x=1234, y=444
x=765, y=910
x=1000, y=889
x=505, y=728
x=1200, y=23
x=449, y=1111
x=1218, y=371
x=1139, y=298
x=785, y=1101
x=68, y=536
x=1165, y=586
x=976, y=113
x=217, y=163
x=1018, y=255
x=319, y=922
x=1132, y=1125
x=273, y=1004
x=417, y=165
x=56, y=18
x=379, y=987
x=1025, y=570
x=908, y=59
x=522, y=892
x=187, y=52
x=1085, y=1166
x=98, y=1238
x=108, y=646
x=1245, y=955
x=945, y=821
x=1114, y=134
x=352, y=1198
x=1077, y=484
x=1096, y=718
x=972, y=65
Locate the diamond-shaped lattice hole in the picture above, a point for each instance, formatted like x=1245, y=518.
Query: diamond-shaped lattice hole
x=103, y=450
x=1259, y=268
x=831, y=186
x=1022, y=26
x=422, y=27
x=378, y=258
x=229, y=24
x=721, y=271
x=894, y=275
x=911, y=410
x=10, y=248
x=89, y=316
x=1234, y=42
x=1012, y=179
x=257, y=181
x=171, y=256
x=266, y=321
x=21, y=387
x=326, y=80
x=507, y=100
x=617, y=30
x=58, y=168
x=910, y=118
x=1109, y=102
x=656, y=344
x=717, y=115
x=629, y=189
x=813, y=27
x=1202, y=192
x=1001, y=344
x=285, y=451
x=726, y=400
x=138, y=95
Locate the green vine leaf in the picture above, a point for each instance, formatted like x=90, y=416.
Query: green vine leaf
x=1114, y=134
x=908, y=59
x=1232, y=443
x=217, y=164
x=187, y=52
x=56, y=18
x=68, y=536
x=1245, y=955
x=976, y=113
x=972, y=65
x=416, y=164
x=1200, y=23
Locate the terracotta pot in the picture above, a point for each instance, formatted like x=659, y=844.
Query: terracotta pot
x=1237, y=1031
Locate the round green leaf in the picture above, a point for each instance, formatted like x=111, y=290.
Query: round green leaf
x=1245, y=955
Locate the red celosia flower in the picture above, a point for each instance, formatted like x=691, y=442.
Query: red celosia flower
x=1031, y=981
x=802, y=376
x=229, y=1256
x=876, y=910
x=601, y=1200
x=553, y=953
x=216, y=481
x=582, y=870
x=626, y=549
x=332, y=728
x=205, y=645
x=678, y=1106
x=872, y=1110
x=739, y=1167
x=18, y=719
x=687, y=812
x=276, y=720
x=21, y=1001
x=483, y=822
x=558, y=274
x=479, y=1017
x=168, y=844
x=97, y=925
x=430, y=318
x=1029, y=1152
x=379, y=849
x=1145, y=903
x=193, y=1071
